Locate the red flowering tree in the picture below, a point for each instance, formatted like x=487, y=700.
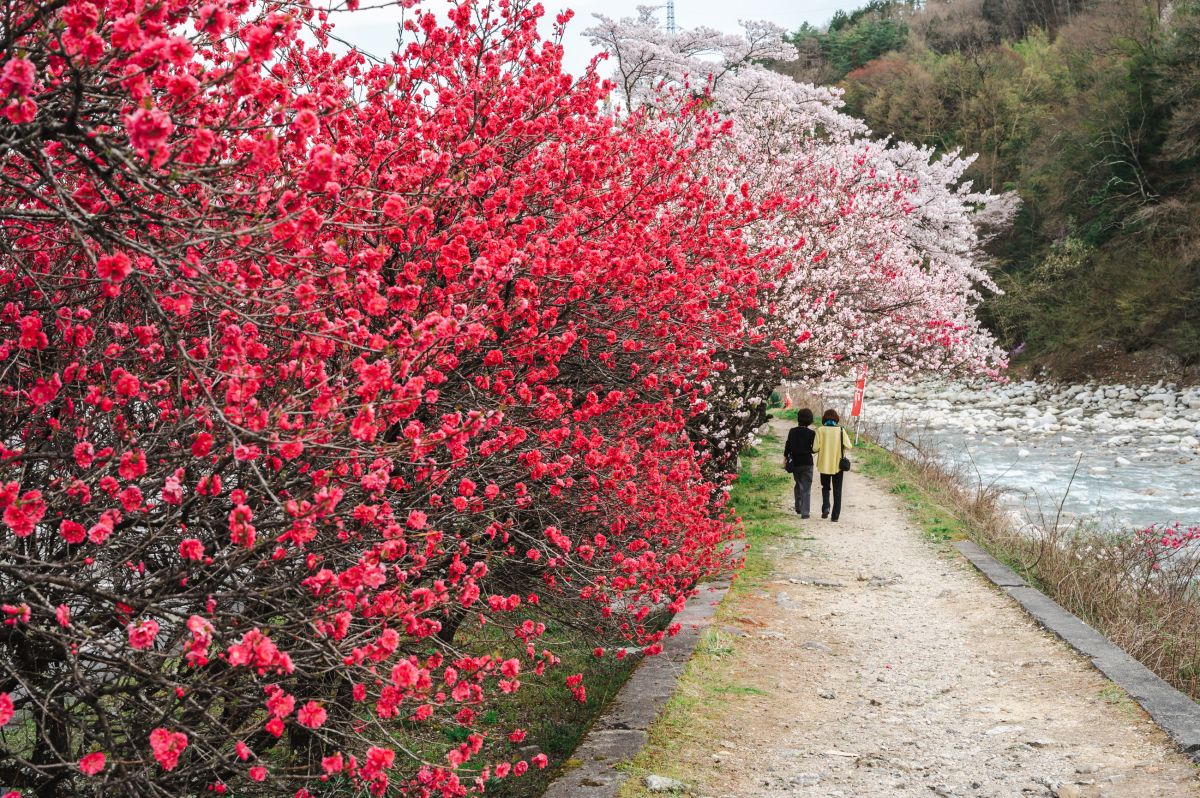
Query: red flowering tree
x=310, y=364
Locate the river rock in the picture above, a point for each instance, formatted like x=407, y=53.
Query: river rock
x=1159, y=398
x=655, y=783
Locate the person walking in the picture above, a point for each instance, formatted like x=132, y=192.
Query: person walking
x=798, y=459
x=830, y=446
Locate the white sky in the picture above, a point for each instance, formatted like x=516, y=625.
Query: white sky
x=373, y=30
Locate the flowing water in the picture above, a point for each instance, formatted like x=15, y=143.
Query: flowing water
x=1118, y=455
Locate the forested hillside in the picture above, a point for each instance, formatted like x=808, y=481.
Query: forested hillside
x=1091, y=111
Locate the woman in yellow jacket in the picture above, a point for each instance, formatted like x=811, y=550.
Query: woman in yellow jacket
x=829, y=447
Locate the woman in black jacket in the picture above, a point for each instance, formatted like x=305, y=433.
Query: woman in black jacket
x=798, y=459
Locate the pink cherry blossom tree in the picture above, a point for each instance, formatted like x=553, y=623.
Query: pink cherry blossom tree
x=878, y=245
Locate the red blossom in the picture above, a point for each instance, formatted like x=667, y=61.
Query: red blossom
x=191, y=549
x=93, y=763
x=318, y=362
x=312, y=715
x=142, y=633
x=114, y=268
x=22, y=514
x=167, y=746
x=17, y=77
x=148, y=130
x=202, y=444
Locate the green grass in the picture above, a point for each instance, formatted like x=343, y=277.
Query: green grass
x=690, y=713
x=921, y=497
x=760, y=496
x=1115, y=696
x=788, y=414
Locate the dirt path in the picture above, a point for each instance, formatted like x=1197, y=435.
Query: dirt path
x=873, y=665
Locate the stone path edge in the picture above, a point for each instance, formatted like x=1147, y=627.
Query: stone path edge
x=1174, y=712
x=623, y=728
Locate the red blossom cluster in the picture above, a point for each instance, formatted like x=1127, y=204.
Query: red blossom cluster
x=329, y=386
x=1164, y=544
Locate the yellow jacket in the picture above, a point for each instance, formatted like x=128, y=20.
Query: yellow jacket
x=826, y=448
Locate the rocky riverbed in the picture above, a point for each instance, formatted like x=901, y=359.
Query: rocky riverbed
x=1130, y=453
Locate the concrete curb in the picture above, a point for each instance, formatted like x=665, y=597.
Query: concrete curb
x=621, y=731
x=1174, y=712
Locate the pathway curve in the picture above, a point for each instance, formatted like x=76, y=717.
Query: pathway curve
x=887, y=668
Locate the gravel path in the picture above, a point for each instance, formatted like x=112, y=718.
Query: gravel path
x=887, y=668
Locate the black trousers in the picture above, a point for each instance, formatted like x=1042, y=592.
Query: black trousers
x=834, y=482
x=802, y=474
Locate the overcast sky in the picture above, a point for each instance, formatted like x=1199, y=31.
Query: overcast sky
x=374, y=30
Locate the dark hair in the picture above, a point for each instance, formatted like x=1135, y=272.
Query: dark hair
x=804, y=417
x=830, y=415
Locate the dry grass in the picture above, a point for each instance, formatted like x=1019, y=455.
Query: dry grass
x=1139, y=593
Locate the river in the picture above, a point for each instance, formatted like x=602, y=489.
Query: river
x=1130, y=455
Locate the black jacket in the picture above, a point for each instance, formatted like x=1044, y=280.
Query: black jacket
x=798, y=450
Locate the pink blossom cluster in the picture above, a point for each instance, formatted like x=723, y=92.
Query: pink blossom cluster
x=1163, y=544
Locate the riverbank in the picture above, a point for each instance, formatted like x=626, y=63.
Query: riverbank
x=1113, y=456
x=1107, y=363
x=871, y=661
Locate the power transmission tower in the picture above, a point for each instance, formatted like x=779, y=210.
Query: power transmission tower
x=671, y=17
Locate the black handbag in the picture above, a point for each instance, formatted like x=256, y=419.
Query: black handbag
x=844, y=463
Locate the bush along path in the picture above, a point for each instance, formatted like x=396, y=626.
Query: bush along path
x=865, y=659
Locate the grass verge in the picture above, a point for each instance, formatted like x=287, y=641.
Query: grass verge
x=935, y=506
x=554, y=720
x=761, y=485
x=694, y=709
